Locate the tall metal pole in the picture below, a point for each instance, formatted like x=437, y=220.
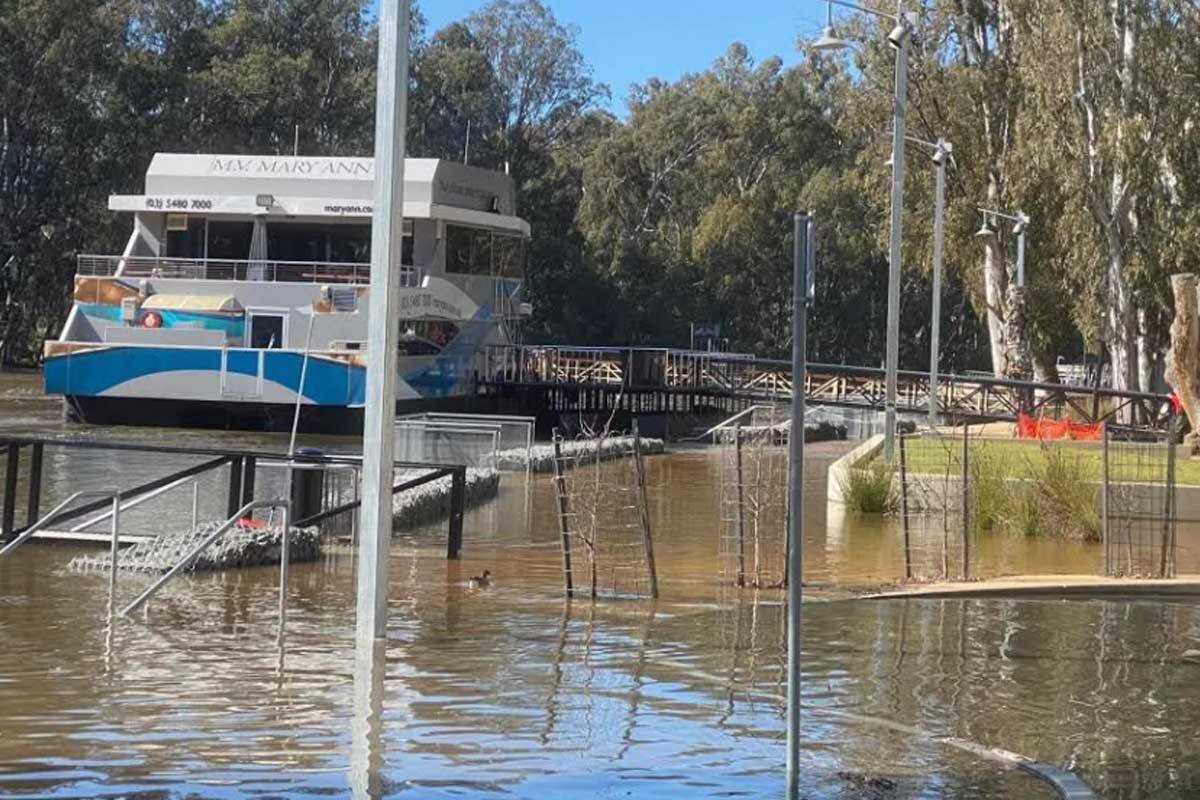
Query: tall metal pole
x=935, y=334
x=795, y=533
x=1021, y=259
x=387, y=234
x=891, y=365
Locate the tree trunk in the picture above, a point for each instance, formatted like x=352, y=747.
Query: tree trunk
x=1183, y=358
x=1122, y=341
x=995, y=282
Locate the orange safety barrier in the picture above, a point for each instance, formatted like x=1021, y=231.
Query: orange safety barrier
x=1042, y=428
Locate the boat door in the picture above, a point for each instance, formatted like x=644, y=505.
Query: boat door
x=266, y=328
x=243, y=368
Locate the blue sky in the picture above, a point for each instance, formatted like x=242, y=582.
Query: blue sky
x=628, y=41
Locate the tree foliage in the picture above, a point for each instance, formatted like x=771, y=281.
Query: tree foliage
x=678, y=211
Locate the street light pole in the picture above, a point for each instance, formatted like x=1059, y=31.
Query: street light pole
x=802, y=287
x=898, y=38
x=387, y=234
x=891, y=365
x=940, y=158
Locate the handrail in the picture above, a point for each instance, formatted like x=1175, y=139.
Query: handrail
x=846, y=369
x=286, y=505
x=132, y=504
x=48, y=516
x=726, y=422
x=236, y=269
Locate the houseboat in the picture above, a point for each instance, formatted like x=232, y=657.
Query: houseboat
x=242, y=293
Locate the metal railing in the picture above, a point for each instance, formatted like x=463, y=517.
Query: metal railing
x=137, y=501
x=219, y=269
x=224, y=528
x=979, y=397
x=115, y=515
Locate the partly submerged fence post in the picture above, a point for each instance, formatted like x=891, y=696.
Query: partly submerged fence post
x=966, y=502
x=33, y=507
x=1167, y=562
x=235, y=487
x=458, y=502
x=12, y=464
x=643, y=508
x=560, y=492
x=741, y=506
x=1105, y=533
x=904, y=511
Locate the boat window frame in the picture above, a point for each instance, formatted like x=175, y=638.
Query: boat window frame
x=266, y=311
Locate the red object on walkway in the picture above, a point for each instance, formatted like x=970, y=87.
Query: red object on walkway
x=1042, y=428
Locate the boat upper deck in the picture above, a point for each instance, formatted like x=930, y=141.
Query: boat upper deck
x=218, y=269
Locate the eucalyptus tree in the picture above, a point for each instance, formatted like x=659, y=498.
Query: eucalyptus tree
x=544, y=84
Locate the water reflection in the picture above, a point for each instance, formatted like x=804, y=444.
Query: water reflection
x=367, y=747
x=511, y=690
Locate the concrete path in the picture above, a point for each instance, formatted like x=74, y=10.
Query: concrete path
x=1045, y=585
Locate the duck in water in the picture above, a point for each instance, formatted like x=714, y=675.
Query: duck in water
x=480, y=581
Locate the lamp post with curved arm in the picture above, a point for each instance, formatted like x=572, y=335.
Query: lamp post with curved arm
x=899, y=38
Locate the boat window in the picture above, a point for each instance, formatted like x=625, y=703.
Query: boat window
x=266, y=331
x=187, y=242
x=425, y=337
x=468, y=250
x=350, y=244
x=296, y=242
x=229, y=240
x=473, y=251
x=339, y=244
x=509, y=253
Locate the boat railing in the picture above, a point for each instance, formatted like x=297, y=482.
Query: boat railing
x=218, y=269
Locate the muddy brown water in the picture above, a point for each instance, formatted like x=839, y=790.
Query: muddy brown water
x=511, y=692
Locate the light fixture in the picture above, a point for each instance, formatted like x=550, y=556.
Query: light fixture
x=986, y=230
x=830, y=41
x=1022, y=223
x=943, y=152
x=264, y=200
x=899, y=35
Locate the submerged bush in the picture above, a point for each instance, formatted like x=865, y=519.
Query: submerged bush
x=1052, y=494
x=870, y=490
x=990, y=495
x=1066, y=494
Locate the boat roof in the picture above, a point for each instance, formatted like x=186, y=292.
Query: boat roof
x=304, y=186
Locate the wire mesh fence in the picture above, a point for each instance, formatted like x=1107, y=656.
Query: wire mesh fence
x=956, y=488
x=754, y=501
x=1138, y=506
x=604, y=521
x=934, y=506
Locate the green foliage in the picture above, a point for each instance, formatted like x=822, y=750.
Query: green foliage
x=989, y=493
x=1047, y=491
x=870, y=489
x=1066, y=489
x=680, y=212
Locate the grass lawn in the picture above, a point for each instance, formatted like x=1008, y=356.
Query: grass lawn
x=1022, y=458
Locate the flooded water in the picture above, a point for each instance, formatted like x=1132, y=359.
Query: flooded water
x=512, y=692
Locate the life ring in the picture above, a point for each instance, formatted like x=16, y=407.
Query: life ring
x=152, y=319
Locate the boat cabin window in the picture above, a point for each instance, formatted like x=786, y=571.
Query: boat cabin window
x=229, y=240
x=185, y=236
x=339, y=244
x=473, y=251
x=422, y=337
x=266, y=331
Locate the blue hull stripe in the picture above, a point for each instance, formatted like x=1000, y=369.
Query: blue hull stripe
x=96, y=372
